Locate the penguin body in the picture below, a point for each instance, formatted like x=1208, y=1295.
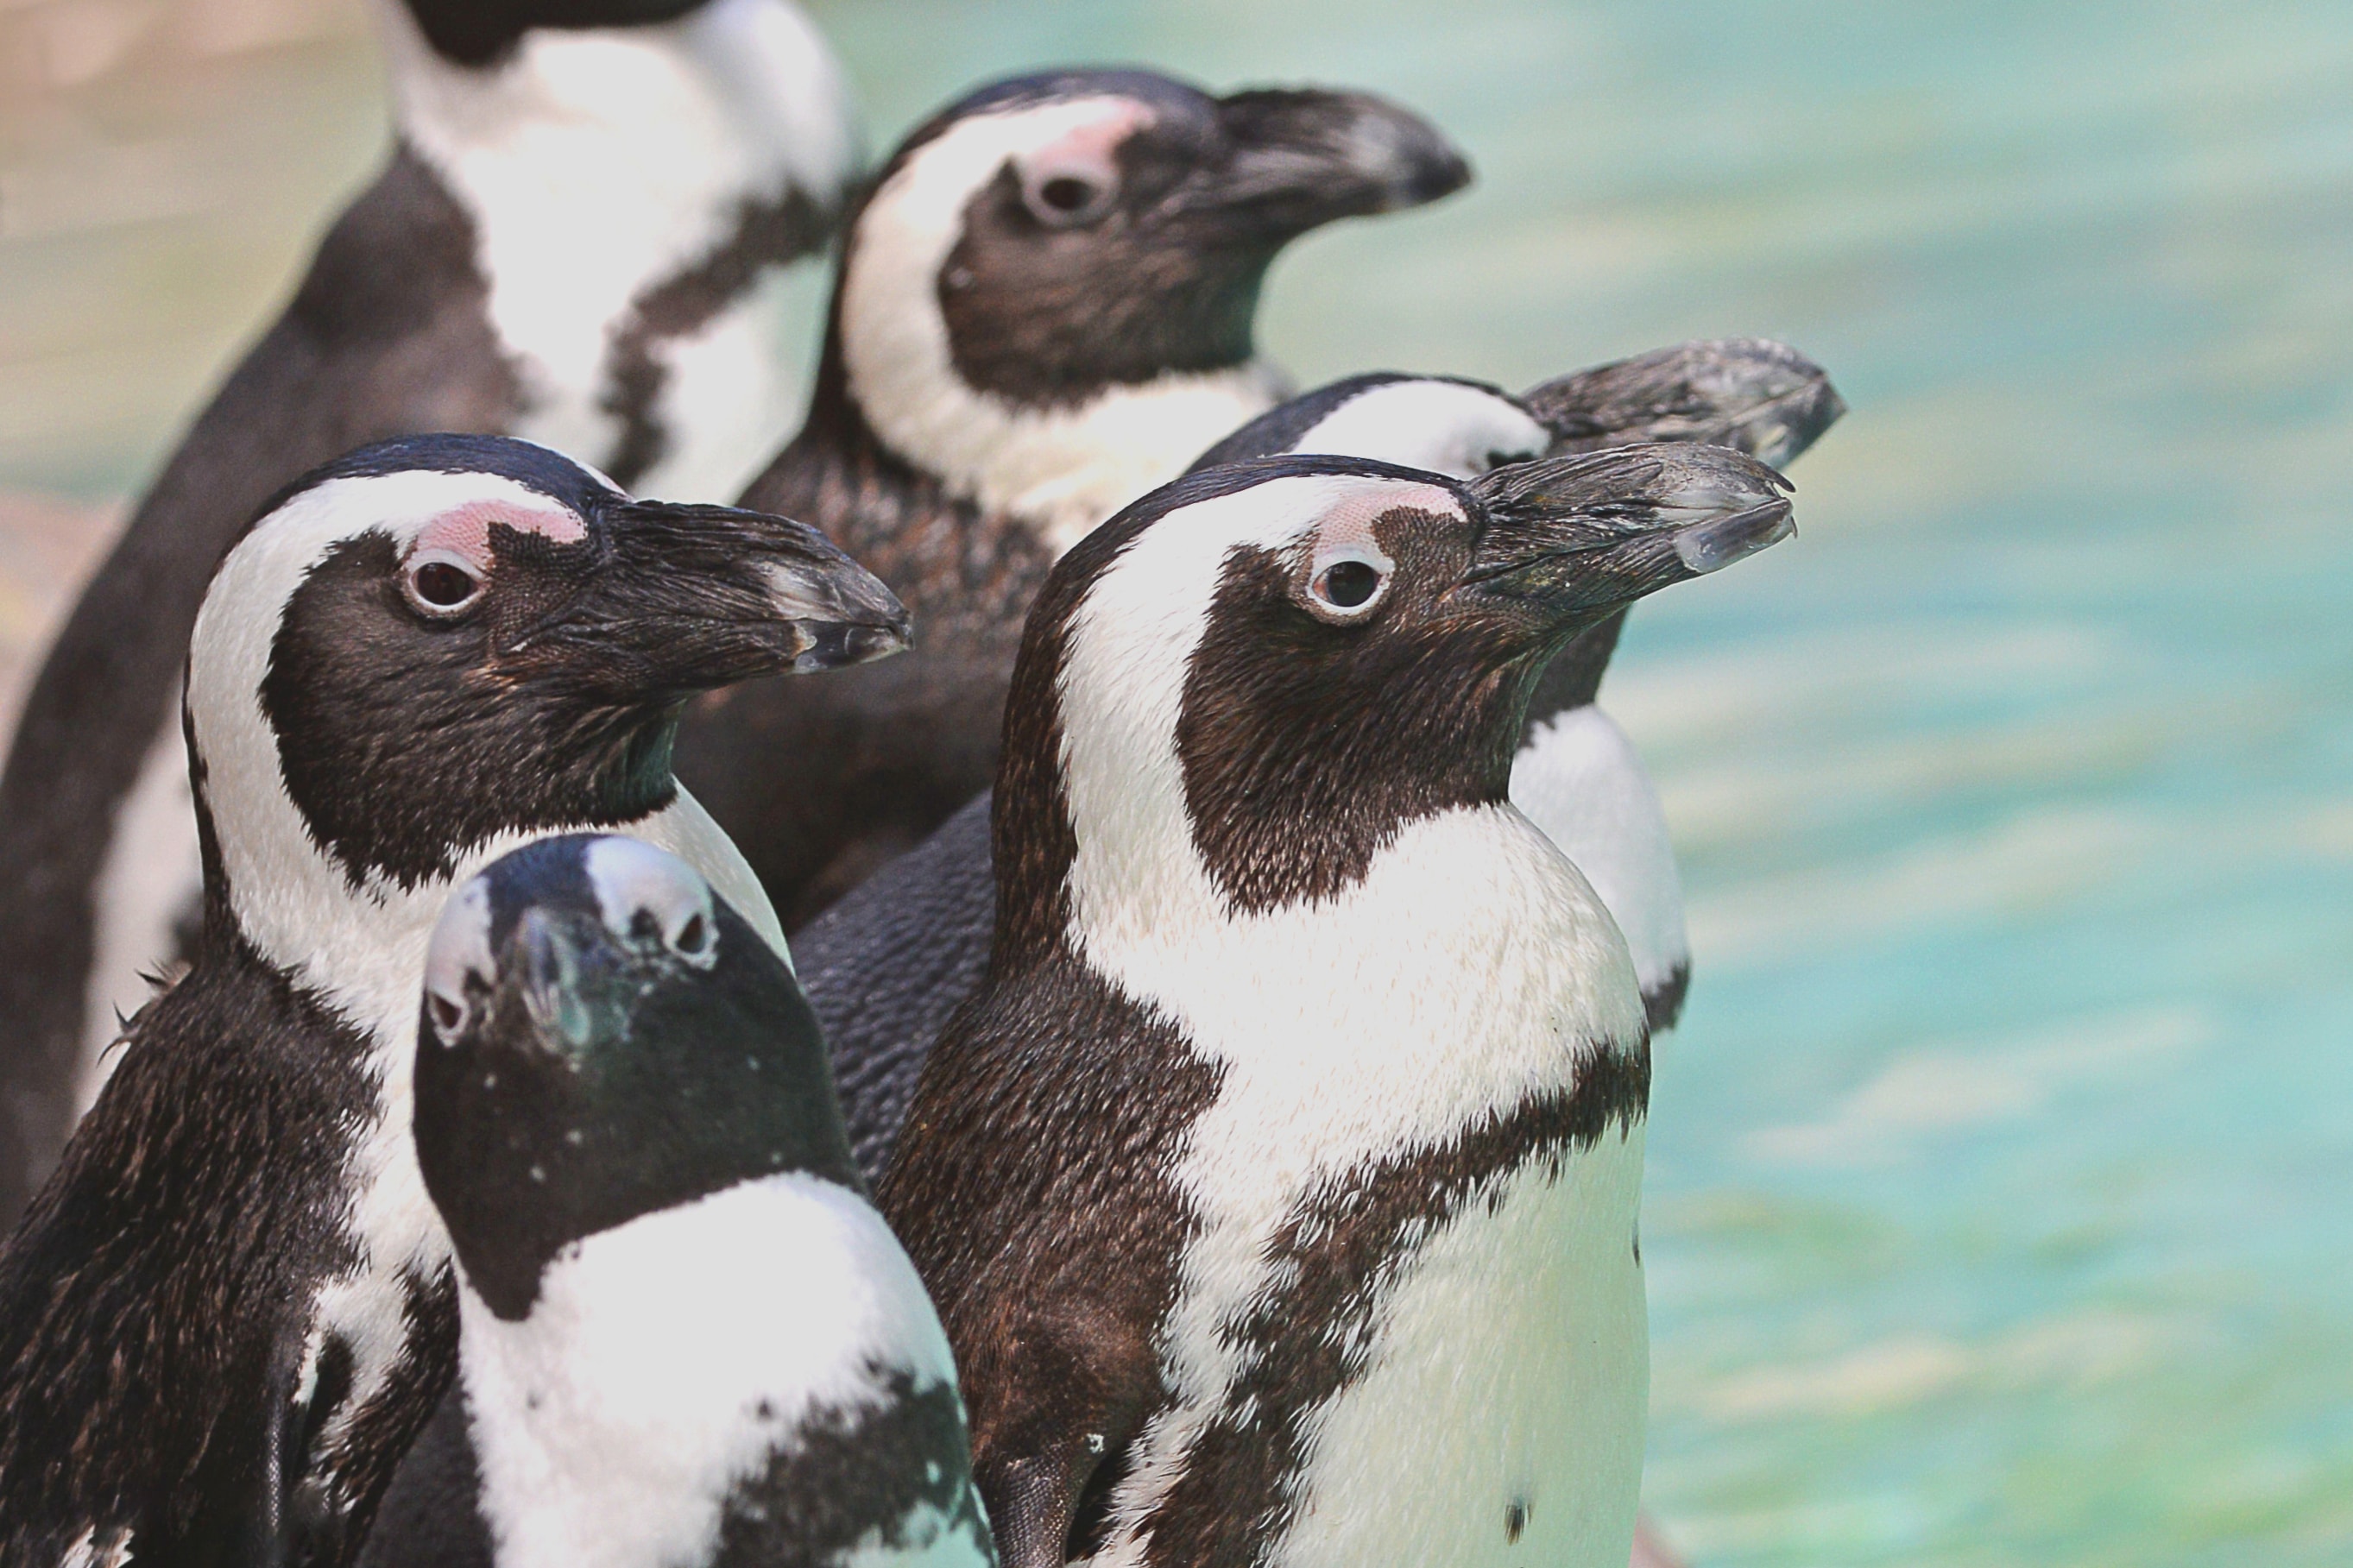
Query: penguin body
x=685, y=1339
x=226, y=1314
x=888, y=966
x=1044, y=309
x=579, y=237
x=1279, y=1185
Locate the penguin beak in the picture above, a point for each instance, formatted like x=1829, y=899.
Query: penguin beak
x=543, y=970
x=689, y=598
x=1751, y=395
x=1571, y=539
x=1305, y=157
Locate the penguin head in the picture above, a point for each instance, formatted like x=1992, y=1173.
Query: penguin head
x=437, y=640
x=603, y=1036
x=1751, y=395
x=1052, y=240
x=1264, y=671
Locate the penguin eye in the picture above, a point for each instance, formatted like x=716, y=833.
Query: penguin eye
x=693, y=938
x=1347, y=589
x=1066, y=198
x=439, y=584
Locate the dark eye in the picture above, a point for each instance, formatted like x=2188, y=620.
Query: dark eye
x=1060, y=201
x=693, y=938
x=439, y=586
x=447, y=1014
x=1349, y=585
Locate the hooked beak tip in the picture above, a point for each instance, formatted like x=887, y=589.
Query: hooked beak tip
x=1711, y=546
x=836, y=645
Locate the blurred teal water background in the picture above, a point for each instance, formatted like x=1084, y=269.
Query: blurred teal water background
x=1999, y=1204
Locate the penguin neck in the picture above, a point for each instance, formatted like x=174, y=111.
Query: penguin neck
x=1573, y=680
x=630, y=190
x=890, y=375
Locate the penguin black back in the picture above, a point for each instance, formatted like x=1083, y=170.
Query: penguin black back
x=686, y=1338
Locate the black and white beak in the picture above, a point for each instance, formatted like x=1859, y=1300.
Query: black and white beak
x=687, y=598
x=1751, y=395
x=1305, y=157
x=1570, y=538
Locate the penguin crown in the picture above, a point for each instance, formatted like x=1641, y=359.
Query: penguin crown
x=601, y=1035
x=435, y=640
x=1268, y=669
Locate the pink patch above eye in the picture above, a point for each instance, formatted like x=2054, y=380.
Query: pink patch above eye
x=465, y=531
x=1087, y=148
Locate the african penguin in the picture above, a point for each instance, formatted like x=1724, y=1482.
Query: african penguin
x=886, y=967
x=685, y=1336
x=580, y=237
x=1044, y=309
x=1279, y=1185
x=224, y=1316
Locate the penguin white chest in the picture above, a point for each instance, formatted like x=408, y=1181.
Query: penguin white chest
x=1410, y=1304
x=1498, y=1418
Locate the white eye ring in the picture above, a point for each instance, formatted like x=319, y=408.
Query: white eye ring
x=1067, y=197
x=421, y=583
x=1348, y=586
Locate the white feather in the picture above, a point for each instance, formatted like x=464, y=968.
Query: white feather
x=1580, y=780
x=596, y=162
x=151, y=873
x=1442, y=426
x=1471, y=969
x=612, y=1421
x=1063, y=470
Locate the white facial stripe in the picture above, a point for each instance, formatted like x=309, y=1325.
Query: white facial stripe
x=1063, y=471
x=598, y=161
x=1443, y=427
x=630, y=876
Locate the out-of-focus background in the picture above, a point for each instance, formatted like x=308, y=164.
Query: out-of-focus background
x=1999, y=1191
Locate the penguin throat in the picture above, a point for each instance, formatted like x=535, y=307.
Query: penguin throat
x=632, y=191
x=1058, y=471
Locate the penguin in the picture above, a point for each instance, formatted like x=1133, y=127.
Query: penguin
x=1279, y=1186
x=580, y=237
x=1044, y=307
x=223, y=1316
x=887, y=965
x=685, y=1336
